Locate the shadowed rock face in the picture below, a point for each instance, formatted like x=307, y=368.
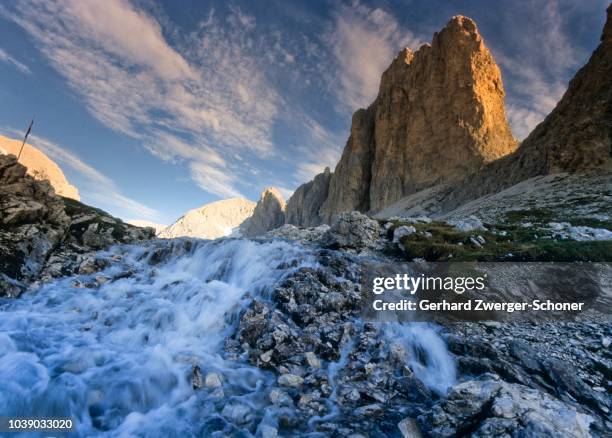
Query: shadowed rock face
x=269, y=213
x=439, y=115
x=304, y=205
x=577, y=134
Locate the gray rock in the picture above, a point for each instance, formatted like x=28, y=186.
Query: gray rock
x=303, y=235
x=372, y=410
x=269, y=214
x=402, y=231
x=280, y=398
x=303, y=208
x=43, y=234
x=196, y=377
x=237, y=413
x=498, y=407
x=312, y=360
x=409, y=428
x=290, y=380
x=352, y=230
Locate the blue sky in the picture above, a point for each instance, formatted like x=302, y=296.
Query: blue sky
x=154, y=108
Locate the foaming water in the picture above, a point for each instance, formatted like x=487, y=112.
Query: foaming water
x=118, y=357
x=426, y=354
x=116, y=350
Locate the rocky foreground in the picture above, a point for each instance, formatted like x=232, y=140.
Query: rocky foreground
x=515, y=379
x=41, y=233
x=332, y=373
x=337, y=374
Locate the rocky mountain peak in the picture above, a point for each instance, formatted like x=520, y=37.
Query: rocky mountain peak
x=575, y=138
x=269, y=213
x=458, y=27
x=271, y=193
x=438, y=116
x=607, y=31
x=303, y=208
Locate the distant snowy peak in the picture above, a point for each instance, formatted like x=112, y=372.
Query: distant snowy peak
x=211, y=221
x=39, y=166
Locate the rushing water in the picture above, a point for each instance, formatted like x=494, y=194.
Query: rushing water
x=117, y=354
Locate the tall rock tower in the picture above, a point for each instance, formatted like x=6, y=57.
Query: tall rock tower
x=439, y=115
x=269, y=213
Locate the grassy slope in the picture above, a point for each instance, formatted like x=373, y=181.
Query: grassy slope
x=510, y=241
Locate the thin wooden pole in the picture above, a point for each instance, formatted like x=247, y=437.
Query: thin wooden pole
x=25, y=138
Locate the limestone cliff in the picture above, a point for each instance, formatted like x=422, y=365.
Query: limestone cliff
x=439, y=115
x=269, y=213
x=576, y=136
x=304, y=205
x=40, y=166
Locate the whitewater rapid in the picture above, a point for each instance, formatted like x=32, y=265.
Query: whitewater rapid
x=116, y=350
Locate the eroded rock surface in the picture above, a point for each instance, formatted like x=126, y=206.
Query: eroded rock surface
x=337, y=375
x=489, y=406
x=576, y=137
x=269, y=213
x=352, y=230
x=305, y=204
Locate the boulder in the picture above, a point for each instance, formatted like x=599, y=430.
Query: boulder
x=352, y=230
x=490, y=407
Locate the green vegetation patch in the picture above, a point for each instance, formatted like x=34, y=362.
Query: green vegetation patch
x=438, y=241
x=536, y=215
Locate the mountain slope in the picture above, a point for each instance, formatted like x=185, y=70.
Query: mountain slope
x=211, y=221
x=42, y=235
x=40, y=166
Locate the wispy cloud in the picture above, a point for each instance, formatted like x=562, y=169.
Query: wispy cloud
x=96, y=186
x=316, y=159
x=364, y=42
x=211, y=100
x=5, y=57
x=533, y=97
x=211, y=95
x=537, y=61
